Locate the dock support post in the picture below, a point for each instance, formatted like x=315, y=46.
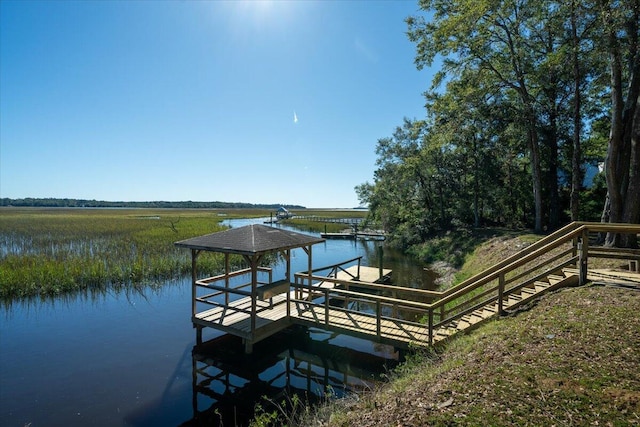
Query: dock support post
x=198, y=334
x=194, y=279
x=378, y=319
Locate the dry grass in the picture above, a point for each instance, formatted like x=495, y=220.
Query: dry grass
x=572, y=359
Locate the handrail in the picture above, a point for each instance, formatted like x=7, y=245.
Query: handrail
x=373, y=297
x=576, y=232
x=368, y=285
x=515, y=261
x=328, y=267
x=533, y=247
x=233, y=274
x=551, y=241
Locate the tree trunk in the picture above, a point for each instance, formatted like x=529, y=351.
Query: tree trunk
x=536, y=173
x=476, y=184
x=621, y=165
x=576, y=158
x=631, y=210
x=552, y=143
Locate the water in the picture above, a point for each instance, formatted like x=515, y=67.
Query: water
x=126, y=358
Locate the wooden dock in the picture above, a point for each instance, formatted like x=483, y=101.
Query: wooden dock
x=311, y=306
x=271, y=314
x=359, y=300
x=365, y=235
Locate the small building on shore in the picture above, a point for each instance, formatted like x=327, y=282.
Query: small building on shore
x=283, y=213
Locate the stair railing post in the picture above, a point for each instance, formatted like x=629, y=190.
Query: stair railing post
x=583, y=256
x=500, y=294
x=430, y=325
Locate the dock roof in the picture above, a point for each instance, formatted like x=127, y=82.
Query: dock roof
x=250, y=240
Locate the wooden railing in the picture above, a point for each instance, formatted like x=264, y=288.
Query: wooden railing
x=571, y=246
x=221, y=285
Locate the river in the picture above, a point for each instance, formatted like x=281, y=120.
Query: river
x=127, y=358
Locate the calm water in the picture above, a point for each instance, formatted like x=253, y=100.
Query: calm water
x=128, y=359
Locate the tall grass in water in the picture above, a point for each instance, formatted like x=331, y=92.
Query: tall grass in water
x=51, y=251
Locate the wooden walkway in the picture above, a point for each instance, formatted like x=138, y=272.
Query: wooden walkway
x=397, y=332
x=272, y=316
x=360, y=301
x=365, y=235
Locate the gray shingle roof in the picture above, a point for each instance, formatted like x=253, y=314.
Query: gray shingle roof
x=250, y=240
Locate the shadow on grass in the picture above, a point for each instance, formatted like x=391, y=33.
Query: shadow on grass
x=454, y=246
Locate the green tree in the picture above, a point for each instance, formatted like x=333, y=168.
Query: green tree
x=492, y=36
x=619, y=41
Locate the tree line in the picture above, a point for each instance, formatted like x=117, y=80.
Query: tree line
x=530, y=92
x=83, y=203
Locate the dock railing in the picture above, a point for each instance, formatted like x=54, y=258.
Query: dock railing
x=569, y=246
x=223, y=289
x=551, y=259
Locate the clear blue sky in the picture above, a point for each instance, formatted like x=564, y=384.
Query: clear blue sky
x=198, y=100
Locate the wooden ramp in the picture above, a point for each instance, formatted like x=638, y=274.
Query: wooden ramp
x=387, y=331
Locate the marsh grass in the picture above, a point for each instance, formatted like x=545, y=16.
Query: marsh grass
x=48, y=252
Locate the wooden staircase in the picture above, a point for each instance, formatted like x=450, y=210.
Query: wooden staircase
x=423, y=318
x=525, y=295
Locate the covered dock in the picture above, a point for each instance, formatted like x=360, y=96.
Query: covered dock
x=242, y=302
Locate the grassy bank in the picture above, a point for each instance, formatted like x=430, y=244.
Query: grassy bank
x=569, y=359
x=47, y=252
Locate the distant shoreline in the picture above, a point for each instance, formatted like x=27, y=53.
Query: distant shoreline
x=83, y=203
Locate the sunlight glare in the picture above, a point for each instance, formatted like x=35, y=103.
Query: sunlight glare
x=263, y=14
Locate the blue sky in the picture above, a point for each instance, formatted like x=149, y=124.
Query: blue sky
x=197, y=100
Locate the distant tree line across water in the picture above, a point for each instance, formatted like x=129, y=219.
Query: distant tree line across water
x=82, y=203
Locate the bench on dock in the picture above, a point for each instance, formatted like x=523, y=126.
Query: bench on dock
x=272, y=289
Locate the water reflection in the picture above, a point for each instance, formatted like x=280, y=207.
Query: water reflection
x=228, y=383
x=121, y=356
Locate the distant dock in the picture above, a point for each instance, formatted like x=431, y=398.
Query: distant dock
x=365, y=235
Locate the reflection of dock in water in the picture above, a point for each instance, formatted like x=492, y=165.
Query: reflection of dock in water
x=227, y=383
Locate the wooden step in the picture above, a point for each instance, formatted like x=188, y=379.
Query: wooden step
x=444, y=332
x=492, y=308
x=489, y=311
x=463, y=324
x=541, y=286
x=555, y=279
x=479, y=314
